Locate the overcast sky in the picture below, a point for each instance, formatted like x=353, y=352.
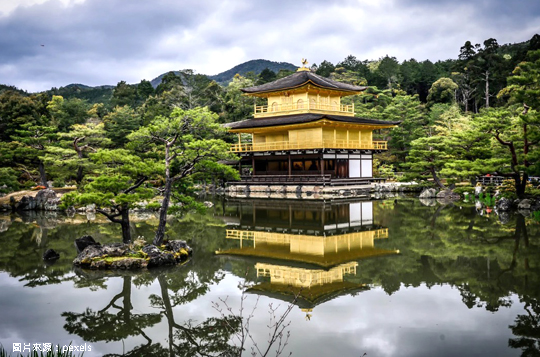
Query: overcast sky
x=46, y=43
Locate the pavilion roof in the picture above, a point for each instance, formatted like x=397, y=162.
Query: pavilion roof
x=298, y=79
x=301, y=119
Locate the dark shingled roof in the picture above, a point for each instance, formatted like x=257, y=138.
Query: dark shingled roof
x=300, y=78
x=302, y=118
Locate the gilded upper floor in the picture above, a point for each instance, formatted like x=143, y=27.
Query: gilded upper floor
x=303, y=92
x=308, y=131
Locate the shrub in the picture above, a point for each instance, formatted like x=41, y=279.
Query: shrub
x=8, y=180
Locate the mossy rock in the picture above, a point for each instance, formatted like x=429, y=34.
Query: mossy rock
x=129, y=257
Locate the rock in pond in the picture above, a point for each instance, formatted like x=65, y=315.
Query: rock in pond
x=132, y=256
x=50, y=254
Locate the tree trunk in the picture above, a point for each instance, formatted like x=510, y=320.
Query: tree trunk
x=487, y=89
x=79, y=176
x=436, y=178
x=160, y=233
x=126, y=233
x=520, y=183
x=42, y=175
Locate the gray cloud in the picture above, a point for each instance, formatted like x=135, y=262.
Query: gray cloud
x=105, y=41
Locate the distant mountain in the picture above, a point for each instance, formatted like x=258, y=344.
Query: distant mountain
x=255, y=66
x=5, y=87
x=97, y=94
x=84, y=86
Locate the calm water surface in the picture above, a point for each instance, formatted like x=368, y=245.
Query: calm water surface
x=386, y=278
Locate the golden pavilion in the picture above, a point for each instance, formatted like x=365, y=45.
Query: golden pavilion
x=306, y=135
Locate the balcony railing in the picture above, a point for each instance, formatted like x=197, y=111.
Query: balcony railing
x=312, y=107
x=306, y=145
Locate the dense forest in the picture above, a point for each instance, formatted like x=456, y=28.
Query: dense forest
x=474, y=115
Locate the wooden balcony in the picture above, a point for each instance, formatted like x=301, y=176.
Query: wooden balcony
x=305, y=107
x=307, y=145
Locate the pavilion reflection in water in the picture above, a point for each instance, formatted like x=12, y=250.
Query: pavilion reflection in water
x=307, y=250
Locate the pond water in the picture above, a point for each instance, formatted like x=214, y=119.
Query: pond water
x=394, y=277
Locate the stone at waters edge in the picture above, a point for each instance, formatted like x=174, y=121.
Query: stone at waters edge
x=45, y=199
x=504, y=204
x=524, y=204
x=157, y=257
x=448, y=195
x=83, y=242
x=428, y=193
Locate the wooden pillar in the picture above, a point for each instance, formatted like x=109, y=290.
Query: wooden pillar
x=253, y=165
x=290, y=164
x=322, y=165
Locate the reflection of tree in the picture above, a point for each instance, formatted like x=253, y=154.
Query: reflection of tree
x=30, y=234
x=485, y=259
x=178, y=286
x=209, y=338
x=527, y=330
x=115, y=325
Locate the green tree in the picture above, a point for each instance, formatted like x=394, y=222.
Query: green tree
x=515, y=139
x=124, y=94
x=119, y=123
x=389, y=69
x=69, y=157
x=427, y=157
x=325, y=69
x=266, y=75
x=413, y=117
x=16, y=109
x=29, y=145
x=118, y=188
x=144, y=90
x=8, y=180
x=341, y=74
x=169, y=81
x=187, y=144
x=67, y=112
x=236, y=105
x=283, y=73
x=443, y=90
x=199, y=91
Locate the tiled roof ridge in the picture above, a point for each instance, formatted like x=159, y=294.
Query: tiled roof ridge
x=298, y=79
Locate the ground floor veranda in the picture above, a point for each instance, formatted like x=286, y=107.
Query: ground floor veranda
x=297, y=167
